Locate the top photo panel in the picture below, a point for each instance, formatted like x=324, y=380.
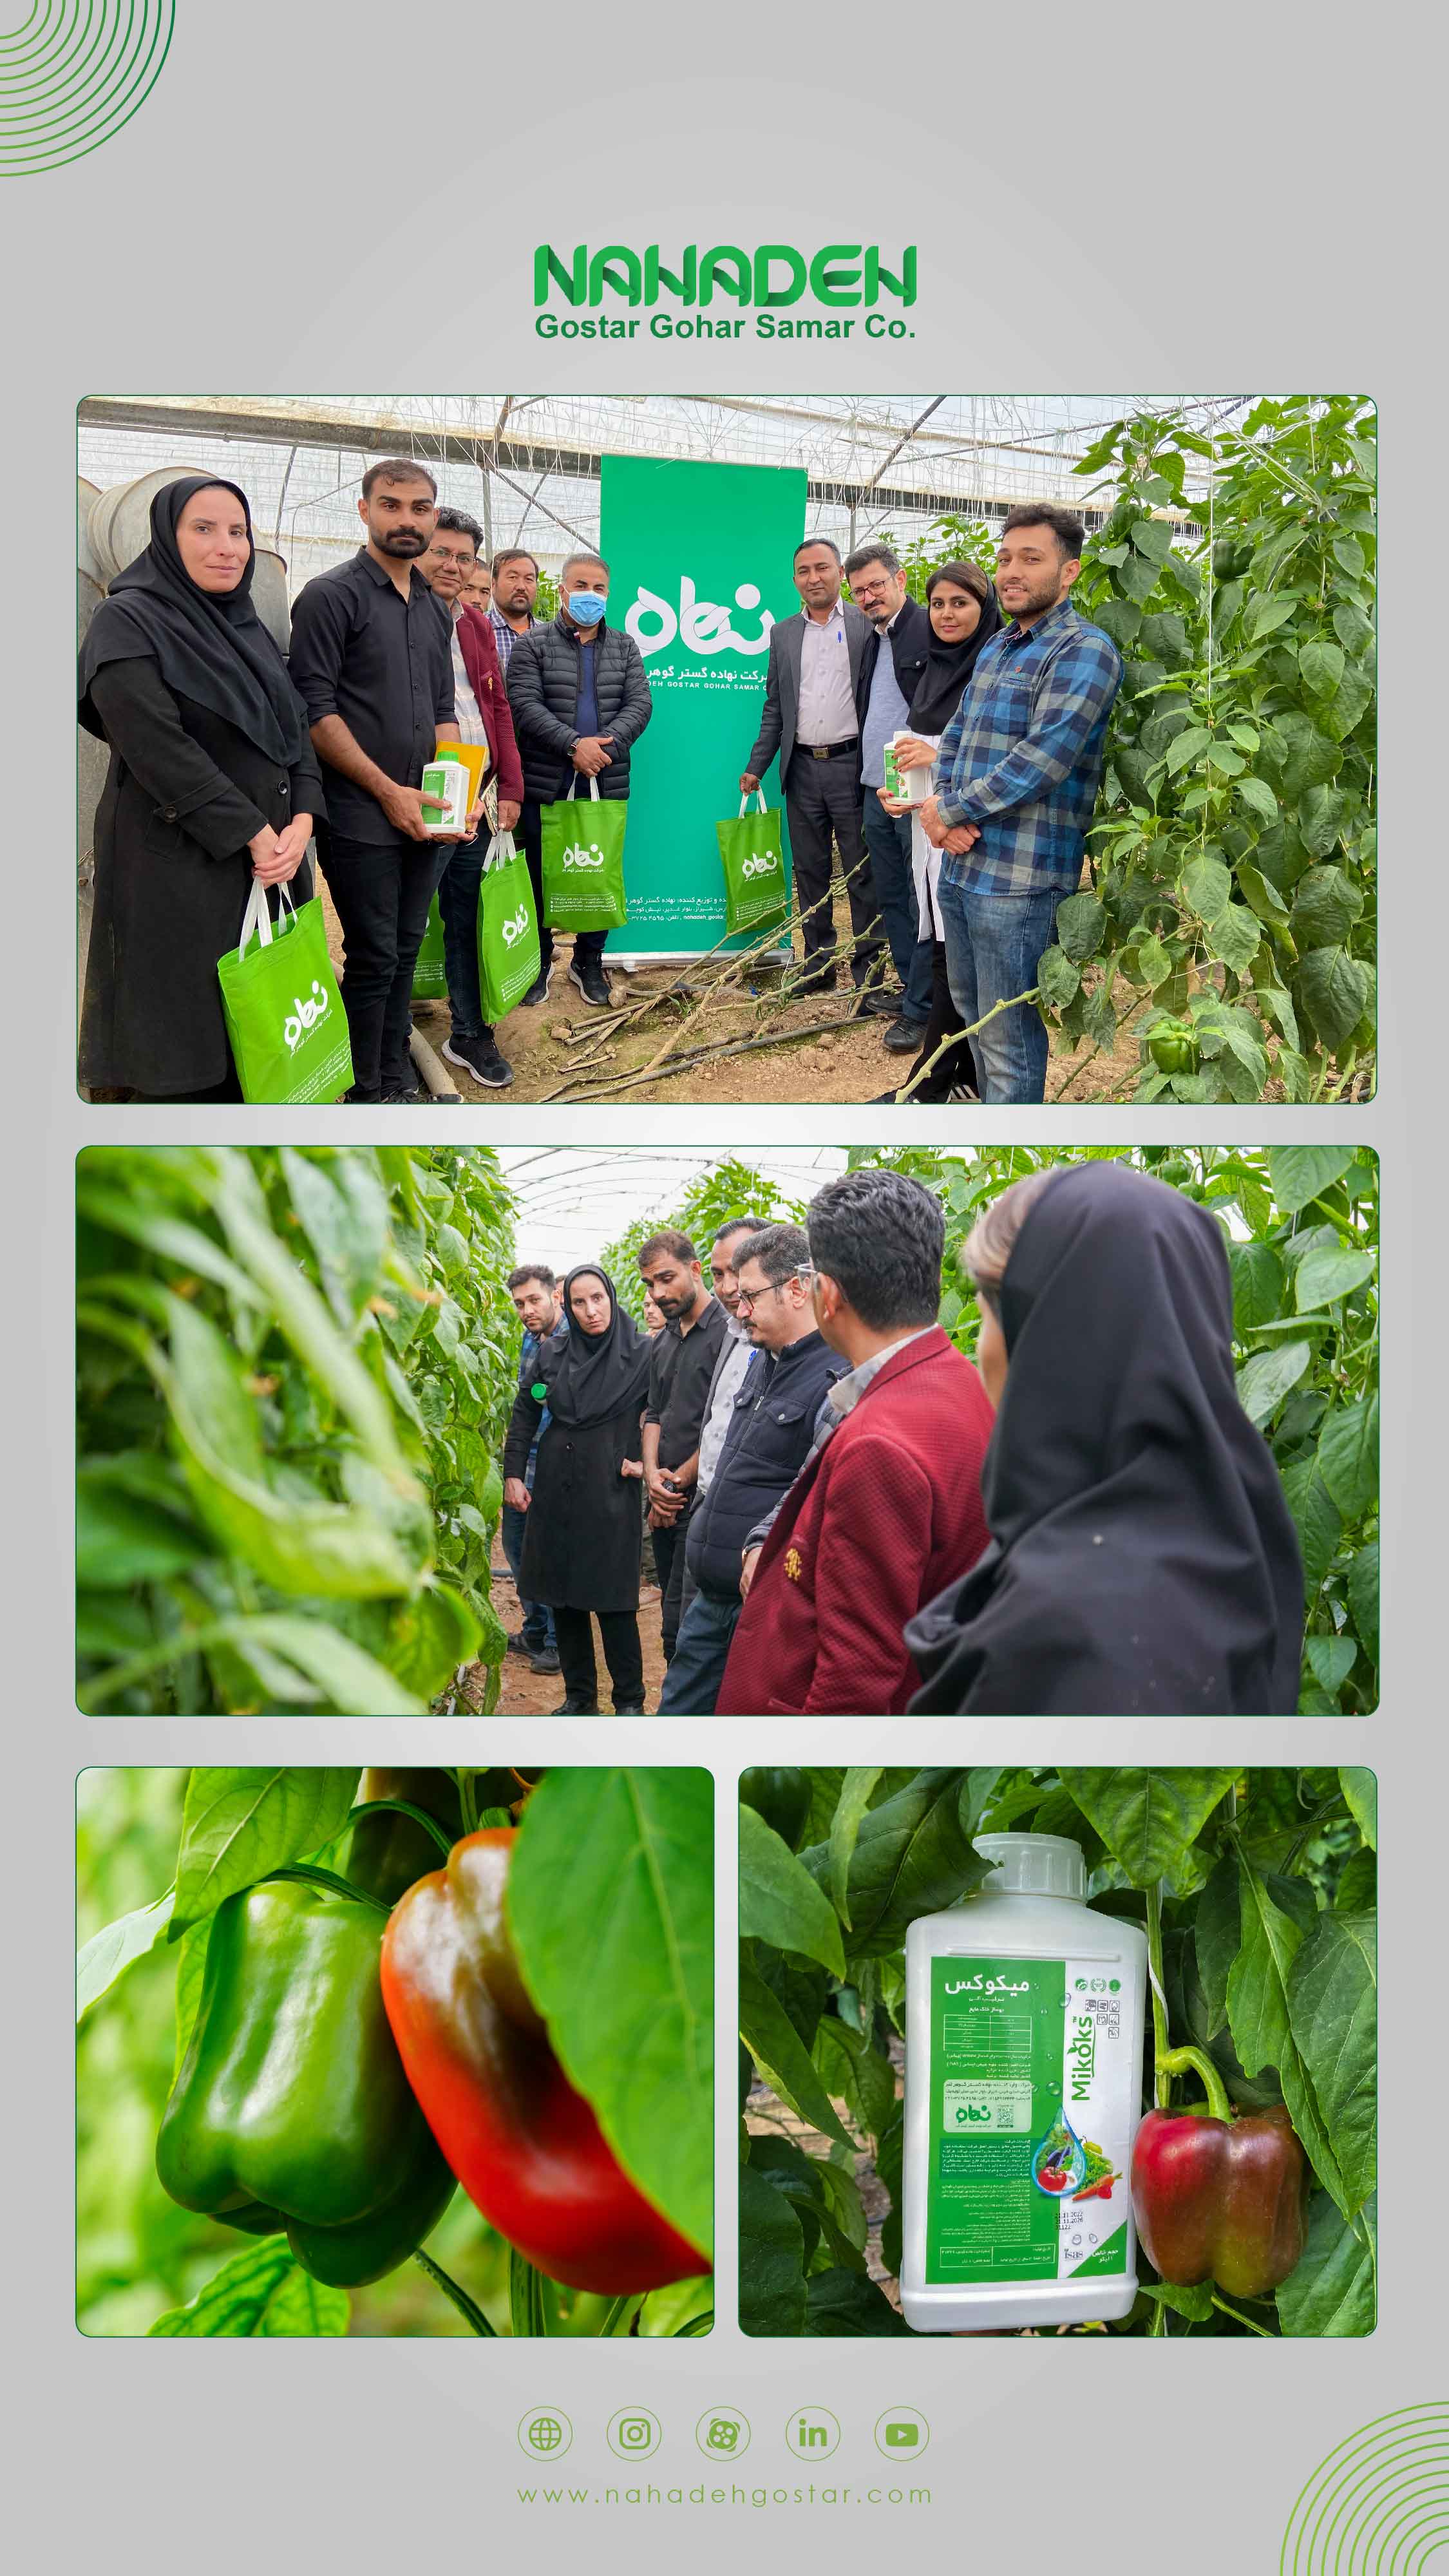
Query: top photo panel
x=948, y=751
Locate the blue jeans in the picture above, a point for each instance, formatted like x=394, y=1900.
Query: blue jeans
x=888, y=839
x=701, y=1651
x=458, y=903
x=993, y=943
x=538, y=1633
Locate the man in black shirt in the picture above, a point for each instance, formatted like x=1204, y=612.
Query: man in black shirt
x=680, y=1375
x=372, y=658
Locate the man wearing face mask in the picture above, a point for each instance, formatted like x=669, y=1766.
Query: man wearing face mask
x=580, y=700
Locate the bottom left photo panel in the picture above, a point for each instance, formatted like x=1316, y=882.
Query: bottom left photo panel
x=381, y=2052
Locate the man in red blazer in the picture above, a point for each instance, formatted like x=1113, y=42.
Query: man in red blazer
x=483, y=712
x=887, y=1508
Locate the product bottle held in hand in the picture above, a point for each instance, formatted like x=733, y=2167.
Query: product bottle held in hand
x=449, y=780
x=1024, y=2019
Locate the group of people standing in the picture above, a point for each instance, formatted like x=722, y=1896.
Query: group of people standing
x=850, y=1518
x=227, y=758
x=1010, y=720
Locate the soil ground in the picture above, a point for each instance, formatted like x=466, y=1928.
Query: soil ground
x=846, y=1062
x=525, y=1693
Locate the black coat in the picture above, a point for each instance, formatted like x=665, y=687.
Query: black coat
x=910, y=640
x=184, y=795
x=584, y=1534
x=543, y=694
x=768, y=1441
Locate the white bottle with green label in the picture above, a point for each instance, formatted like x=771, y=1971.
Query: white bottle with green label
x=1024, y=2012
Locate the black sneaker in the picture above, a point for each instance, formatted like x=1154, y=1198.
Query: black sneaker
x=874, y=1003
x=576, y=1708
x=628, y=1708
x=544, y=1660
x=821, y=981
x=904, y=1036
x=405, y=1093
x=538, y=989
x=480, y=1057
x=517, y=1643
x=878, y=1099
x=592, y=983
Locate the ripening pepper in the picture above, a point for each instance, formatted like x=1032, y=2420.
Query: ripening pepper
x=1221, y=2199
x=782, y=1797
x=291, y=2109
x=525, y=2146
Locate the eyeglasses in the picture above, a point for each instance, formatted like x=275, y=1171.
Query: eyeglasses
x=746, y=1299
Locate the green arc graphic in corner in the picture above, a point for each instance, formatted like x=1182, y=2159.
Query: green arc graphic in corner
x=73, y=74
x=1379, y=2504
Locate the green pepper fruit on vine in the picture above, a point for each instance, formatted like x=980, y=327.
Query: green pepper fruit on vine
x=782, y=1797
x=291, y=2109
x=1172, y=1045
x=525, y=2146
x=1218, y=2198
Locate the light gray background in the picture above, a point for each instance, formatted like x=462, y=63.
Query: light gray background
x=1231, y=201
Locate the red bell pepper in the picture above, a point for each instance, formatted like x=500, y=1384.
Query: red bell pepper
x=525, y=2146
x=1219, y=2198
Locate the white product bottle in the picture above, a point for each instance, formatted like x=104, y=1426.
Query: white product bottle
x=1024, y=2014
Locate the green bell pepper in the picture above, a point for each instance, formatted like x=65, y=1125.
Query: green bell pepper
x=291, y=2109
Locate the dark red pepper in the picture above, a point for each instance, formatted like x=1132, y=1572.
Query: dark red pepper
x=1221, y=2199
x=525, y=2146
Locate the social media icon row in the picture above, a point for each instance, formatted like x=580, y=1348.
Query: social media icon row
x=810, y=2433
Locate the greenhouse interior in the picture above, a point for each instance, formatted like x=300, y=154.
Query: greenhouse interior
x=527, y=466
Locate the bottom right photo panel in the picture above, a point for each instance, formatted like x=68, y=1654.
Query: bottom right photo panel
x=1068, y=2051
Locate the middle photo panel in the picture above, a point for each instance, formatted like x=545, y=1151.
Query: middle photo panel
x=1025, y=1430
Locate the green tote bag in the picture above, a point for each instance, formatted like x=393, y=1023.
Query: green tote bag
x=583, y=862
x=508, y=945
x=284, y=1013
x=430, y=972
x=752, y=854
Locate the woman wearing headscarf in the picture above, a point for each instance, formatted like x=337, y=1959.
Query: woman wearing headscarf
x=213, y=784
x=1143, y=1559
x=965, y=614
x=584, y=1532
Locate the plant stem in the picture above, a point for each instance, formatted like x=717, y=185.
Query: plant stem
x=1240, y=2319
x=466, y=2307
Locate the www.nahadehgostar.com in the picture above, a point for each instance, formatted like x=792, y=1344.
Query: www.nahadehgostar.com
x=755, y=2496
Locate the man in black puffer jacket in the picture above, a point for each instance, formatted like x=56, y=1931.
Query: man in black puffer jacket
x=579, y=699
x=772, y=1424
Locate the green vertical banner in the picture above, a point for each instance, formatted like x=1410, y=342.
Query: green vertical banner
x=701, y=560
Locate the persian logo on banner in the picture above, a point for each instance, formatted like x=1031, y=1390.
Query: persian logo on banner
x=702, y=558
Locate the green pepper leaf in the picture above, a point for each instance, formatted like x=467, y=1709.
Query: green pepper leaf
x=263, y=2291
x=772, y=2260
x=780, y=1902
x=1332, y=2289
x=237, y=1825
x=615, y=1867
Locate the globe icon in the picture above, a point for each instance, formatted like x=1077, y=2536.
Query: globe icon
x=545, y=2433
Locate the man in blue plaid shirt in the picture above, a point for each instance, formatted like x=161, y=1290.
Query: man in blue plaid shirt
x=1016, y=781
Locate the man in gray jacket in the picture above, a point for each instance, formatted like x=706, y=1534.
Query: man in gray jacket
x=811, y=679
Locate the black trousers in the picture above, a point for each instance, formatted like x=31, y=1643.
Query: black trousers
x=587, y=943
x=669, y=1547
x=958, y=1064
x=382, y=890
x=824, y=800
x=623, y=1653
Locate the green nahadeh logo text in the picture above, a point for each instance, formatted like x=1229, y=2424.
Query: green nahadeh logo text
x=842, y=274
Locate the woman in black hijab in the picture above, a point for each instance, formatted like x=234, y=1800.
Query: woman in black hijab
x=1143, y=1558
x=213, y=782
x=965, y=614
x=584, y=1532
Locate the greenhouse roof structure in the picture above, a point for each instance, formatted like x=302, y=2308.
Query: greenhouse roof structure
x=527, y=465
